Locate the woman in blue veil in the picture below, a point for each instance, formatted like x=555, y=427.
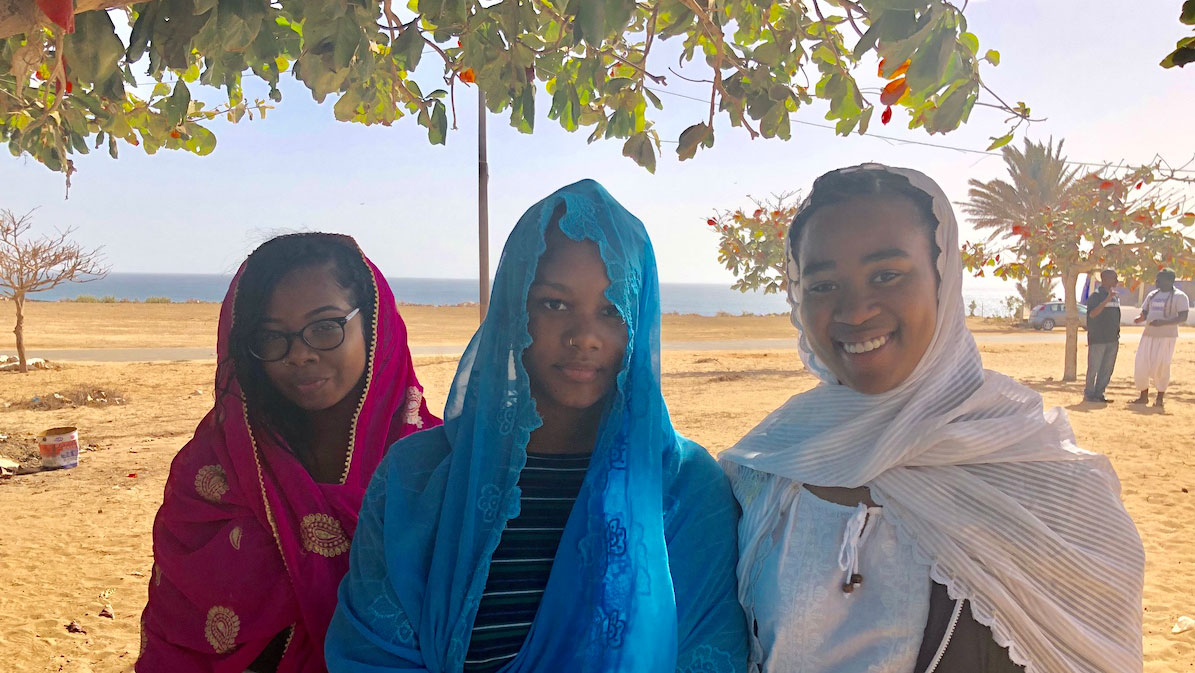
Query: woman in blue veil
x=643, y=576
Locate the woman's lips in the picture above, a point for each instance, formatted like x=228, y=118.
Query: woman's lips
x=865, y=346
x=309, y=387
x=579, y=373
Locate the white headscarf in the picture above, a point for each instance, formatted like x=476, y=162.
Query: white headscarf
x=988, y=487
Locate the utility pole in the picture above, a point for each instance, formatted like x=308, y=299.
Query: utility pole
x=483, y=208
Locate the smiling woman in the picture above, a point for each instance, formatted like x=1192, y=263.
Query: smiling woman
x=869, y=288
x=314, y=382
x=915, y=513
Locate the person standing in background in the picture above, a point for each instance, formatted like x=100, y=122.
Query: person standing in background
x=1163, y=311
x=1103, y=336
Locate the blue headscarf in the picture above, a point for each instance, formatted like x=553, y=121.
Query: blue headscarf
x=643, y=579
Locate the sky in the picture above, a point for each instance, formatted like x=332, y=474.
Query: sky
x=1090, y=67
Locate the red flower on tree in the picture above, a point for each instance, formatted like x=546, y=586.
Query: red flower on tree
x=61, y=12
x=893, y=91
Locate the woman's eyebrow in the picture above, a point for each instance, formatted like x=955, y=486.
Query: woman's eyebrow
x=329, y=307
x=817, y=267
x=887, y=253
x=561, y=287
x=877, y=256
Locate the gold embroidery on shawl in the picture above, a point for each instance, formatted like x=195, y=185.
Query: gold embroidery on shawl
x=144, y=638
x=156, y=572
x=211, y=483
x=222, y=628
x=373, y=356
x=234, y=538
x=323, y=535
x=414, y=398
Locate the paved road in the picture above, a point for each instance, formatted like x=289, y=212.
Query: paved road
x=183, y=354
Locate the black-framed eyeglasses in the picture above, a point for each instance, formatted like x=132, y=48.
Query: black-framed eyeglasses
x=324, y=334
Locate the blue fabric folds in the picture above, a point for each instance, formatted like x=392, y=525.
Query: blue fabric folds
x=643, y=579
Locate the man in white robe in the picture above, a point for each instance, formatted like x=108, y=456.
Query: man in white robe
x=1163, y=311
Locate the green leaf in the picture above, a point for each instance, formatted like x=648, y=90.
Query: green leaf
x=1183, y=54
x=201, y=141
x=348, y=39
x=868, y=41
x=93, y=51
x=566, y=107
x=160, y=89
x=175, y=108
x=767, y=53
x=238, y=22
x=191, y=73
x=992, y=56
x=997, y=143
x=697, y=135
x=408, y=49
x=522, y=110
x=616, y=84
x=970, y=41
x=437, y=131
x=865, y=120
x=174, y=30
x=147, y=15
x=590, y=23
x=346, y=106
x=775, y=123
x=928, y=63
x=641, y=150
x=951, y=110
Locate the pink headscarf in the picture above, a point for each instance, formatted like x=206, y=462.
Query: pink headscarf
x=246, y=544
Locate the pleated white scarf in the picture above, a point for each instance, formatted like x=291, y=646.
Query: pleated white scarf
x=987, y=485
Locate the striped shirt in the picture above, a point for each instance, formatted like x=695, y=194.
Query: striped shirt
x=521, y=563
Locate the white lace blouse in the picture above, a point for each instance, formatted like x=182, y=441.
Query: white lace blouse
x=802, y=617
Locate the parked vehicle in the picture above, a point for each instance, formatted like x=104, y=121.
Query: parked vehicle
x=1050, y=314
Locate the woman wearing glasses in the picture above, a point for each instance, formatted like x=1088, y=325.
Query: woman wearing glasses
x=314, y=381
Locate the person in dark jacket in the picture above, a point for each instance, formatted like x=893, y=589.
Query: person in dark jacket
x=915, y=513
x=1103, y=336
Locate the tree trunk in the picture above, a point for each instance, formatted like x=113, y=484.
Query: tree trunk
x=1070, y=366
x=19, y=331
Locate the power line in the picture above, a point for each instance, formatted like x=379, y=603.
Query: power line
x=829, y=127
x=904, y=141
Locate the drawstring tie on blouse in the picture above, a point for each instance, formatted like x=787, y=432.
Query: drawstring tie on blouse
x=848, y=553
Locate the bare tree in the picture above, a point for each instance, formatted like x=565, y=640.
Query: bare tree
x=29, y=265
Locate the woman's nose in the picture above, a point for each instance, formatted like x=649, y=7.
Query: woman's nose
x=855, y=307
x=583, y=334
x=300, y=352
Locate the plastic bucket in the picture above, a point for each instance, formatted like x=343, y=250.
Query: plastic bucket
x=59, y=447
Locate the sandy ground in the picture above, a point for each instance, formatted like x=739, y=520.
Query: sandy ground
x=72, y=540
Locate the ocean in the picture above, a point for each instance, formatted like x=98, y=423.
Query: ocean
x=697, y=298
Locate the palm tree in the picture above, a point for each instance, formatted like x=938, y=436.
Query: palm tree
x=1039, y=183
x=1039, y=180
